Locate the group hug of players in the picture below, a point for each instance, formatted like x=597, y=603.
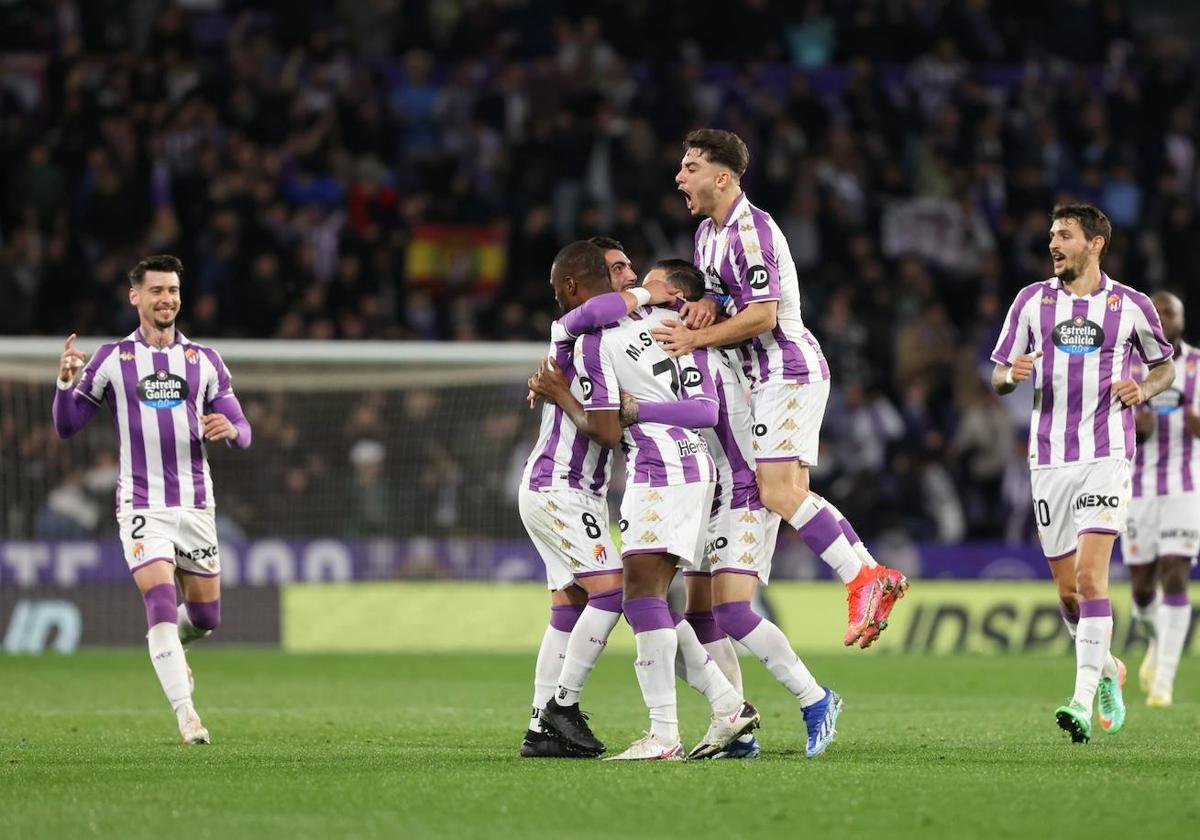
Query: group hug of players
x=707, y=378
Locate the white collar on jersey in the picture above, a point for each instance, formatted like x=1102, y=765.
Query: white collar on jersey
x=1106, y=285
x=137, y=336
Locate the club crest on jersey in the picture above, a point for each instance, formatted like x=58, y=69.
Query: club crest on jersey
x=139, y=551
x=1078, y=335
x=162, y=391
x=1166, y=402
x=193, y=358
x=1114, y=303
x=599, y=553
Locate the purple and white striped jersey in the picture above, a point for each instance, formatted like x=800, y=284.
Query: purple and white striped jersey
x=624, y=357
x=1168, y=461
x=748, y=259
x=730, y=441
x=157, y=398
x=1087, y=345
x=564, y=457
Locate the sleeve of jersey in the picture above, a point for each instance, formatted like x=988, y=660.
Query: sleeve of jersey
x=223, y=384
x=228, y=405
x=1148, y=332
x=591, y=315
x=1014, y=335
x=74, y=406
x=754, y=257
x=597, y=378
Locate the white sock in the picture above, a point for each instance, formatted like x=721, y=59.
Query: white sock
x=166, y=655
x=655, y=668
x=814, y=520
x=188, y=632
x=701, y=672
x=859, y=547
x=726, y=658
x=1109, y=669
x=545, y=672
x=1092, y=642
x=583, y=649
x=1173, y=623
x=767, y=642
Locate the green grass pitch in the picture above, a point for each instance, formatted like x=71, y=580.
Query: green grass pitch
x=426, y=746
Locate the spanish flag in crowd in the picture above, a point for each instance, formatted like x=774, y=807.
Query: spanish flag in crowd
x=448, y=256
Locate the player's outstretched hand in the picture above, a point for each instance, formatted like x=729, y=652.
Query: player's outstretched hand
x=549, y=381
x=1023, y=366
x=629, y=409
x=1129, y=392
x=71, y=360
x=218, y=427
x=698, y=314
x=674, y=337
x=660, y=291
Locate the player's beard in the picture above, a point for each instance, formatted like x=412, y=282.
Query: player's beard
x=157, y=320
x=1071, y=272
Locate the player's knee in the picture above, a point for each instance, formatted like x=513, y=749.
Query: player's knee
x=1090, y=585
x=1175, y=572
x=780, y=498
x=736, y=618
x=204, y=615
x=161, y=607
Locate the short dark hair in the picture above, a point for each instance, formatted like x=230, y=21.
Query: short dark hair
x=683, y=276
x=159, y=262
x=583, y=261
x=723, y=147
x=607, y=243
x=1091, y=220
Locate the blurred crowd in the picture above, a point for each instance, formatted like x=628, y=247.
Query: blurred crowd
x=305, y=158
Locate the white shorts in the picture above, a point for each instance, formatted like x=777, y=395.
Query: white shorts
x=186, y=537
x=1079, y=499
x=569, y=529
x=787, y=421
x=667, y=520
x=1161, y=526
x=741, y=541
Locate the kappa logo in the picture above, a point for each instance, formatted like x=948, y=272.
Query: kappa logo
x=748, y=539
x=747, y=227
x=746, y=559
x=558, y=524
x=564, y=545
x=653, y=496
x=550, y=505
x=753, y=248
x=651, y=516
x=1114, y=303
x=127, y=357
x=792, y=405
x=649, y=537
x=787, y=446
x=755, y=445
x=789, y=424
x=1048, y=300
x=749, y=518
x=575, y=564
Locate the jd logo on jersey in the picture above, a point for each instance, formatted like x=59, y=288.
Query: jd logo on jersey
x=1078, y=335
x=759, y=277
x=162, y=390
x=691, y=377
x=1166, y=401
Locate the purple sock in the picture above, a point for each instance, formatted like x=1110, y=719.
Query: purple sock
x=564, y=616
x=204, y=615
x=609, y=601
x=1096, y=608
x=848, y=530
x=821, y=531
x=646, y=614
x=737, y=619
x=160, y=605
x=705, y=625
x=1176, y=599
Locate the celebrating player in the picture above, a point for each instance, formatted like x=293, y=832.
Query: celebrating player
x=1162, y=535
x=1075, y=333
x=169, y=397
x=746, y=260
x=668, y=495
x=740, y=545
x=563, y=506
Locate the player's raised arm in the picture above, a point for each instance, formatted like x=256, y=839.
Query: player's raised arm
x=73, y=407
x=697, y=407
x=605, y=309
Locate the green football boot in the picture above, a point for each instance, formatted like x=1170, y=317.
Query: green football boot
x=1076, y=720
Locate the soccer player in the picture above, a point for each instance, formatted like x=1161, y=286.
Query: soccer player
x=1162, y=535
x=746, y=260
x=169, y=398
x=1076, y=334
x=562, y=501
x=669, y=490
x=739, y=549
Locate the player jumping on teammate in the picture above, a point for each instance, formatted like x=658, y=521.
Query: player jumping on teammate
x=747, y=263
x=1076, y=334
x=169, y=397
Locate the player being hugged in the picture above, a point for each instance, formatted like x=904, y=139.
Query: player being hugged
x=748, y=265
x=1162, y=535
x=169, y=397
x=1075, y=335
x=669, y=490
